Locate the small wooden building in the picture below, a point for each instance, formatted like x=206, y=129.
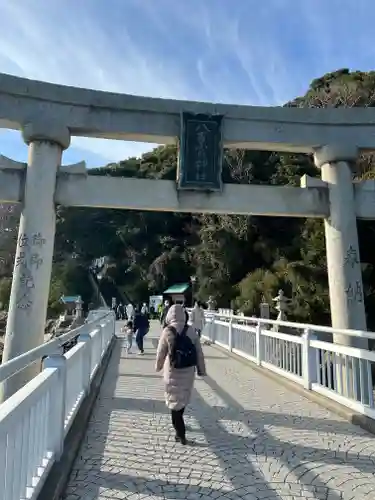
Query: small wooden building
x=70, y=303
x=178, y=294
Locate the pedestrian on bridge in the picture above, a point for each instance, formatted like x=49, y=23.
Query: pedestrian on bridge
x=197, y=318
x=141, y=326
x=130, y=312
x=127, y=330
x=180, y=354
x=164, y=312
x=120, y=311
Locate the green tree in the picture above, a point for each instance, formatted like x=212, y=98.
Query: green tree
x=237, y=259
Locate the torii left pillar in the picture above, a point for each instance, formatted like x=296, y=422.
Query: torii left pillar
x=33, y=260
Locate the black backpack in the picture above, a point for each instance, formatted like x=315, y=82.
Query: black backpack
x=183, y=353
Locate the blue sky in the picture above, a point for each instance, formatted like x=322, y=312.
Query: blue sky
x=258, y=52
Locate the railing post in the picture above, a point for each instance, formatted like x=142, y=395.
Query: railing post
x=101, y=328
x=111, y=325
x=87, y=360
x=230, y=334
x=309, y=373
x=258, y=343
x=212, y=328
x=107, y=331
x=114, y=325
x=206, y=328
x=56, y=423
x=110, y=330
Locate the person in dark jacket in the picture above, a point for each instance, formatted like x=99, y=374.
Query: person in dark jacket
x=120, y=312
x=141, y=326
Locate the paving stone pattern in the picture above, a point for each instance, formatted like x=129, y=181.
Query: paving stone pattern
x=253, y=439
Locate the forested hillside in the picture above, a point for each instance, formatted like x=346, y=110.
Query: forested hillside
x=237, y=259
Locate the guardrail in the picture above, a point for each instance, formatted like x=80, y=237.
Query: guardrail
x=341, y=373
x=36, y=419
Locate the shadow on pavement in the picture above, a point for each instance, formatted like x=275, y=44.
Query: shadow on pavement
x=130, y=448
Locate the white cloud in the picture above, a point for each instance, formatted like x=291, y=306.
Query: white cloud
x=243, y=51
x=64, y=42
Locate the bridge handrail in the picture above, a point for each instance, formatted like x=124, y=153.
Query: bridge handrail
x=339, y=372
x=295, y=325
x=36, y=419
x=54, y=346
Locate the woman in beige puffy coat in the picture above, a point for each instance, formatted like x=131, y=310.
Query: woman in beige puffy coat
x=178, y=382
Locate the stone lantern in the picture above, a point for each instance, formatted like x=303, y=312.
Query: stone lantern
x=264, y=309
x=79, y=303
x=281, y=305
x=211, y=303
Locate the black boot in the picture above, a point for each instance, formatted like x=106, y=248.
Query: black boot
x=181, y=440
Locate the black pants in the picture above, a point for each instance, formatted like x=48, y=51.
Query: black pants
x=139, y=336
x=178, y=422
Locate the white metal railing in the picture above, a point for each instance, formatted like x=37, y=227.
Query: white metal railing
x=35, y=420
x=339, y=372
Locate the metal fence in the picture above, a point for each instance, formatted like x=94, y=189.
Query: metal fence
x=338, y=372
x=35, y=420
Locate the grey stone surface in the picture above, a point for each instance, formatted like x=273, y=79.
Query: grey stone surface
x=40, y=130
x=253, y=439
x=153, y=194
x=93, y=113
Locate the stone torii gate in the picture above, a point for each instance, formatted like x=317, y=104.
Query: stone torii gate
x=48, y=115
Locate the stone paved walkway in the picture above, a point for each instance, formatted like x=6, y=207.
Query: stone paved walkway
x=253, y=438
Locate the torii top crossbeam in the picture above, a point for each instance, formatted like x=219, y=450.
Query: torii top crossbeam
x=93, y=113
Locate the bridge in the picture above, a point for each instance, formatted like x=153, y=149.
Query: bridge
x=269, y=421
x=274, y=417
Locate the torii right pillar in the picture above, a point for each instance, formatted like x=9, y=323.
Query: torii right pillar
x=343, y=259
